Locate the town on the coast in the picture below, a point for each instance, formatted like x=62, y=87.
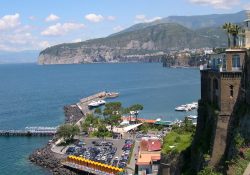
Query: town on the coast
x=101, y=136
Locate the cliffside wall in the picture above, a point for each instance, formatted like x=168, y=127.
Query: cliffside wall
x=219, y=136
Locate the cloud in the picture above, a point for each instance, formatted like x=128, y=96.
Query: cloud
x=217, y=4
x=118, y=28
x=246, y=6
x=94, y=17
x=9, y=21
x=111, y=18
x=61, y=29
x=143, y=18
x=44, y=44
x=52, y=17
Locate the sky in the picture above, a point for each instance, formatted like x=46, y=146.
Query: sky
x=37, y=24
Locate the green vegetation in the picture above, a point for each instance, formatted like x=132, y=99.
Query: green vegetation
x=233, y=30
x=179, y=139
x=208, y=171
x=68, y=131
x=240, y=162
x=131, y=152
x=176, y=142
x=102, y=132
x=145, y=127
x=91, y=121
x=96, y=124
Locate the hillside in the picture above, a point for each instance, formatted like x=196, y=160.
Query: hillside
x=193, y=22
x=145, y=42
x=136, y=45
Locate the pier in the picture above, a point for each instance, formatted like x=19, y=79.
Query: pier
x=83, y=104
x=76, y=113
x=30, y=131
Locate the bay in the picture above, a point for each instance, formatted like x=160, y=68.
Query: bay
x=33, y=95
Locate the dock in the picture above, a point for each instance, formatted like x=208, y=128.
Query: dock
x=76, y=113
x=30, y=131
x=83, y=104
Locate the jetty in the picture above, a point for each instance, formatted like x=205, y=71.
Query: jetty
x=76, y=113
x=30, y=131
x=83, y=104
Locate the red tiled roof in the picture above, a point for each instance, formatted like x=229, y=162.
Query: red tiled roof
x=154, y=145
x=150, y=145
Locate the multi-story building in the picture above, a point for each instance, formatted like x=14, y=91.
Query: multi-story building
x=220, y=85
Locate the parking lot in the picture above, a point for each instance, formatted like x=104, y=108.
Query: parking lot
x=114, y=152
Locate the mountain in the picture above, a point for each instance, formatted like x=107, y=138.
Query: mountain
x=193, y=22
x=145, y=41
x=29, y=56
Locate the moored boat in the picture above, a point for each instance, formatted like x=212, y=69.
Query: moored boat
x=97, y=103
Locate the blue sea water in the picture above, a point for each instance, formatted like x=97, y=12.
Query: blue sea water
x=33, y=95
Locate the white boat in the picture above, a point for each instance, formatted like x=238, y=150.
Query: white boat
x=181, y=108
x=187, y=107
x=192, y=116
x=96, y=103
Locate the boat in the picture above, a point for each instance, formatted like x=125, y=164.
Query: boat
x=192, y=117
x=181, y=108
x=112, y=94
x=96, y=103
x=187, y=107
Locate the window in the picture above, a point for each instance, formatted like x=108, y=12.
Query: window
x=231, y=90
x=236, y=61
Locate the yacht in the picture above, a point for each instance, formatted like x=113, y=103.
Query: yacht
x=96, y=103
x=182, y=108
x=192, y=116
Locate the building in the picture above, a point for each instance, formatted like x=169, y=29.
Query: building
x=247, y=31
x=220, y=85
x=149, y=156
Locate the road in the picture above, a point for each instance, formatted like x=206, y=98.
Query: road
x=247, y=170
x=131, y=165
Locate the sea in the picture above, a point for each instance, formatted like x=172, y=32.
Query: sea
x=34, y=95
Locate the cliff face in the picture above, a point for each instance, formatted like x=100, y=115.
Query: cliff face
x=220, y=138
x=142, y=45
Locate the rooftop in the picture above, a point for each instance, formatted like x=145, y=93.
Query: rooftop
x=145, y=158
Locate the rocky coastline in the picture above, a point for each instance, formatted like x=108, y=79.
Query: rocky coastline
x=47, y=159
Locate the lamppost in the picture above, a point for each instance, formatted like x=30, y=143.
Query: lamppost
x=131, y=113
x=136, y=114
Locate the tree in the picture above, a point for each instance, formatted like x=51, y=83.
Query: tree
x=90, y=121
x=144, y=128
x=112, y=113
x=136, y=108
x=98, y=111
x=234, y=30
x=68, y=131
x=227, y=28
x=102, y=132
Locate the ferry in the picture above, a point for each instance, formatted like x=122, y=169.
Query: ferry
x=96, y=103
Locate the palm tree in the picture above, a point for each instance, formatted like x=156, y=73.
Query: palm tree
x=234, y=32
x=227, y=28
